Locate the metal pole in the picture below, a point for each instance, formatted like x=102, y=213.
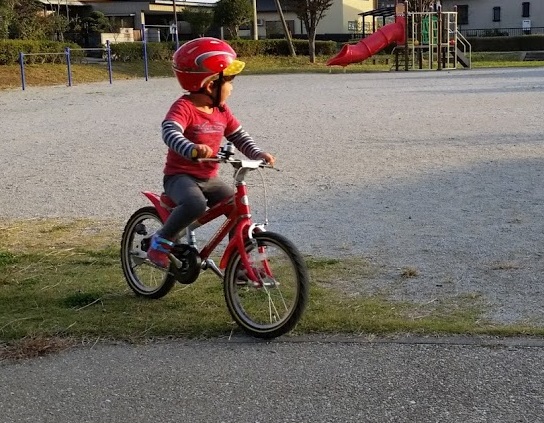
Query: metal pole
x=255, y=26
x=176, y=23
x=285, y=29
x=22, y=63
x=439, y=36
x=67, y=53
x=108, y=53
x=406, y=33
x=146, y=70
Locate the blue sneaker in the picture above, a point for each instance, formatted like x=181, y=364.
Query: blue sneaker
x=159, y=250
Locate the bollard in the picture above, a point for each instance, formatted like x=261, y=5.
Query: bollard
x=67, y=53
x=108, y=54
x=146, y=70
x=22, y=63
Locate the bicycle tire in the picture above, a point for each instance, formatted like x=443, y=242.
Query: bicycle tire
x=133, y=256
x=283, y=279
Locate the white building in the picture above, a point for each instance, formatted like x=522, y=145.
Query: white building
x=504, y=17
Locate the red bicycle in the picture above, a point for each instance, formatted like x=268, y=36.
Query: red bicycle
x=265, y=279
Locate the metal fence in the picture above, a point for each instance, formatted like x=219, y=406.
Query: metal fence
x=501, y=32
x=67, y=58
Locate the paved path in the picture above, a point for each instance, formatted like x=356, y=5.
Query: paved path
x=302, y=380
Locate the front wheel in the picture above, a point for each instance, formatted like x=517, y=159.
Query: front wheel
x=274, y=304
x=143, y=277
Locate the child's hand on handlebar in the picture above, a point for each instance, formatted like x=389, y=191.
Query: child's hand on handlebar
x=268, y=158
x=202, y=151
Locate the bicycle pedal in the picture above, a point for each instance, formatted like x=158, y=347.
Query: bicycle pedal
x=178, y=264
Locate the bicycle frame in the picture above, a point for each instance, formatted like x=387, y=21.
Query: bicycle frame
x=238, y=214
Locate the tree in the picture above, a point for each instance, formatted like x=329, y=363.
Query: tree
x=97, y=23
x=7, y=15
x=200, y=19
x=231, y=14
x=20, y=19
x=310, y=12
x=419, y=5
x=54, y=26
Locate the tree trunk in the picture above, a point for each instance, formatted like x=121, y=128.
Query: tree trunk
x=311, y=44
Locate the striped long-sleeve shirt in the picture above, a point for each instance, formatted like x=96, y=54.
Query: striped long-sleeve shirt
x=185, y=125
x=172, y=135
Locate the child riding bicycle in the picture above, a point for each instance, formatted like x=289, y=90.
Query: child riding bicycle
x=194, y=128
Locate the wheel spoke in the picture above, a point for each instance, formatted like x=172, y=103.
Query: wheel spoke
x=142, y=277
x=263, y=309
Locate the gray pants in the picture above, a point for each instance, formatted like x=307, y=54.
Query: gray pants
x=192, y=196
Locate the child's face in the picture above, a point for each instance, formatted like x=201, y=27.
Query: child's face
x=226, y=89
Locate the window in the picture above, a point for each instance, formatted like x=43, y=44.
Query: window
x=462, y=14
x=386, y=3
x=525, y=9
x=496, y=14
x=274, y=29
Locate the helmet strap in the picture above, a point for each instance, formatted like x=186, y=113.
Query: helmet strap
x=215, y=97
x=218, y=83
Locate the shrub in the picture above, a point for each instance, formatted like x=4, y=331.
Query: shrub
x=518, y=43
x=280, y=47
x=127, y=52
x=10, y=49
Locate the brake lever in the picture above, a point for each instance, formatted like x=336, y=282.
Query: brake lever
x=269, y=166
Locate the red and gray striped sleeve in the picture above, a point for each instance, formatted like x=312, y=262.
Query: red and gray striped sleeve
x=172, y=135
x=244, y=143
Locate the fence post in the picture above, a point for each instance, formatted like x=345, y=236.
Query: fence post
x=146, y=70
x=108, y=53
x=67, y=53
x=22, y=63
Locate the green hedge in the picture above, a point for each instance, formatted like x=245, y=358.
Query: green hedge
x=126, y=52
x=519, y=43
x=273, y=47
x=10, y=49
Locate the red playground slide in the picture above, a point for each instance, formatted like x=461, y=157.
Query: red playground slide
x=390, y=33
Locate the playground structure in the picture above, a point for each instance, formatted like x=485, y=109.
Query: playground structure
x=425, y=39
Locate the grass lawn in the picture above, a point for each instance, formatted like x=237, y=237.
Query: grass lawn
x=61, y=283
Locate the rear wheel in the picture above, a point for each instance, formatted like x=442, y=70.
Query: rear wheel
x=273, y=305
x=142, y=277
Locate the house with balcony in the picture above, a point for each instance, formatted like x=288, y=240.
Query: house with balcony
x=342, y=18
x=475, y=17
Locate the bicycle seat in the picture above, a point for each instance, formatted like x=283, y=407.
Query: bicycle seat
x=167, y=202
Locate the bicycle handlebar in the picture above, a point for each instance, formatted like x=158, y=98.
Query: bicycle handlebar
x=224, y=156
x=237, y=163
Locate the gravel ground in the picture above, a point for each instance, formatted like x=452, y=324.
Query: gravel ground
x=437, y=171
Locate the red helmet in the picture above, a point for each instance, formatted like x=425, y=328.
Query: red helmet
x=201, y=59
